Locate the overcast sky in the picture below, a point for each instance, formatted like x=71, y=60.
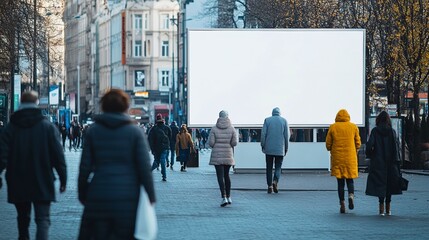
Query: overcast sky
x=194, y=11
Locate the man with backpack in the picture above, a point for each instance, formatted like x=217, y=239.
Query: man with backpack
x=159, y=141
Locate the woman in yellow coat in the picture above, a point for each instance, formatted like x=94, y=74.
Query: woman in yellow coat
x=343, y=141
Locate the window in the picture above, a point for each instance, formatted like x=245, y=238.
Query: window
x=146, y=21
x=165, y=78
x=164, y=49
x=165, y=21
x=138, y=48
x=138, y=22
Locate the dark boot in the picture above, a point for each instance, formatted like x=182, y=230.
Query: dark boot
x=381, y=209
x=342, y=206
x=351, y=203
x=388, y=213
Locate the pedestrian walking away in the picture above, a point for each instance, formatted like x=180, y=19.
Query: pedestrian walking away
x=384, y=177
x=223, y=138
x=174, y=131
x=30, y=150
x=275, y=143
x=159, y=141
x=184, y=146
x=343, y=141
x=114, y=164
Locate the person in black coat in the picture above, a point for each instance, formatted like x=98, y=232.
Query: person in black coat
x=114, y=164
x=174, y=131
x=384, y=171
x=159, y=141
x=30, y=150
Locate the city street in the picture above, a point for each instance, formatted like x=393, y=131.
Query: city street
x=305, y=208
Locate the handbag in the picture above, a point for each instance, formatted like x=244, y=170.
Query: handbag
x=146, y=221
x=404, y=183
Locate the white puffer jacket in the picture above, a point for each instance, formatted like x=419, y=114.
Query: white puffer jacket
x=222, y=139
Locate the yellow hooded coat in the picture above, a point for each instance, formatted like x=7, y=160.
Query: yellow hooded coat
x=343, y=141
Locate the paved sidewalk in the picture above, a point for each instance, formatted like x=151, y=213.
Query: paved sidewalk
x=305, y=208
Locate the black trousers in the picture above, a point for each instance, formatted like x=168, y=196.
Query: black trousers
x=42, y=219
x=222, y=173
x=341, y=185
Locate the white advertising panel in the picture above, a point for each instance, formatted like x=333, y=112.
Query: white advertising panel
x=310, y=74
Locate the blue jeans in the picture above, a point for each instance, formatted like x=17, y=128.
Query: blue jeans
x=172, y=156
x=42, y=219
x=160, y=159
x=278, y=160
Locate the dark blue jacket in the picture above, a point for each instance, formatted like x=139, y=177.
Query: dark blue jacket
x=116, y=155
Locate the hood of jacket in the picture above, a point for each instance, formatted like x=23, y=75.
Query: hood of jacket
x=276, y=112
x=223, y=123
x=342, y=116
x=113, y=120
x=27, y=117
x=384, y=129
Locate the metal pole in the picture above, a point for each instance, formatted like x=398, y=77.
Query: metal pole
x=34, y=47
x=49, y=89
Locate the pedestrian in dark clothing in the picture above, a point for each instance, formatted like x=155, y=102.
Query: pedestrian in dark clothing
x=174, y=131
x=116, y=155
x=384, y=171
x=204, y=136
x=274, y=143
x=223, y=138
x=63, y=131
x=159, y=141
x=30, y=150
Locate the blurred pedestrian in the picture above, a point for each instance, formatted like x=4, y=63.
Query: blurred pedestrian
x=184, y=146
x=174, y=131
x=275, y=144
x=63, y=131
x=30, y=150
x=159, y=141
x=114, y=164
x=223, y=138
x=384, y=171
x=204, y=136
x=343, y=141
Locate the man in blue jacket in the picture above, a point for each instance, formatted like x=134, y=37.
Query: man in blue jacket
x=30, y=149
x=274, y=143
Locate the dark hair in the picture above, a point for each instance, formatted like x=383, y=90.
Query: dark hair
x=114, y=101
x=383, y=119
x=29, y=97
x=183, y=128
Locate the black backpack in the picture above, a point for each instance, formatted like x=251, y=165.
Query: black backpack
x=161, y=138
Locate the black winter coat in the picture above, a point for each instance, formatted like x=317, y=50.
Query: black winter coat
x=30, y=149
x=384, y=173
x=156, y=147
x=114, y=164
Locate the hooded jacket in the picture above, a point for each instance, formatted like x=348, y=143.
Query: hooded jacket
x=275, y=135
x=384, y=174
x=343, y=141
x=30, y=150
x=222, y=139
x=116, y=155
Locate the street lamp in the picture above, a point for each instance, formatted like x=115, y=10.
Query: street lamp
x=34, y=47
x=78, y=69
x=173, y=21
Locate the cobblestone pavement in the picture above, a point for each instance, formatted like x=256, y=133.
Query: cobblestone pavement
x=305, y=208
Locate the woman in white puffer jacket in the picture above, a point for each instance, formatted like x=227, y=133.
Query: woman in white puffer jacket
x=222, y=140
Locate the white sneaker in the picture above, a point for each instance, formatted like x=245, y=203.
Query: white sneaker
x=224, y=202
x=229, y=200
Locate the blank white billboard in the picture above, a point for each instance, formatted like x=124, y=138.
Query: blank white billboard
x=309, y=74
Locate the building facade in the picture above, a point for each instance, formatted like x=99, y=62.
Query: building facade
x=131, y=45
